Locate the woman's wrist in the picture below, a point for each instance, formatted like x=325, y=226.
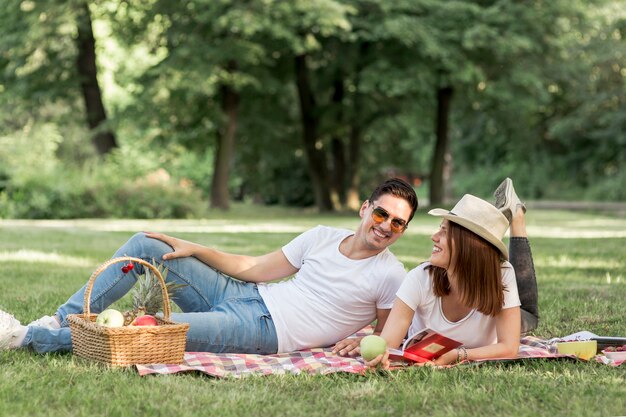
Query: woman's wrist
x=461, y=354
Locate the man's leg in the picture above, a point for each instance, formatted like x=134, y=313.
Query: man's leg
x=240, y=324
x=46, y=340
x=204, y=286
x=205, y=289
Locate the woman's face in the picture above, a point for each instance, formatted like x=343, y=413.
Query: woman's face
x=442, y=249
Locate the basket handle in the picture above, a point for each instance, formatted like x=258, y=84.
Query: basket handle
x=101, y=268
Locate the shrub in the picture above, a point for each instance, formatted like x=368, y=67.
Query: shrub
x=36, y=184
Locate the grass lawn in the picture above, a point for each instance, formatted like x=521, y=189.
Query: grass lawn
x=580, y=260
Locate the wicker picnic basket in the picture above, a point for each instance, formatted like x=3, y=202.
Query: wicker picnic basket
x=128, y=345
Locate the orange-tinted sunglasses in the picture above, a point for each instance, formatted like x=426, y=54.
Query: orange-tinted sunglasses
x=380, y=215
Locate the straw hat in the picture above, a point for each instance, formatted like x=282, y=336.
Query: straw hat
x=480, y=217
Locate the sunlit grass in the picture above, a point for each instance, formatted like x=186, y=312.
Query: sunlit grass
x=32, y=256
x=541, y=223
x=567, y=261
x=581, y=287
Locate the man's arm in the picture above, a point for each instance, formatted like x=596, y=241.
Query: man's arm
x=350, y=346
x=262, y=268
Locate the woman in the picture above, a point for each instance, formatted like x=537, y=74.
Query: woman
x=468, y=290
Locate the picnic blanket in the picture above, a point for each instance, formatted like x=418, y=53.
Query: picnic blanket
x=318, y=361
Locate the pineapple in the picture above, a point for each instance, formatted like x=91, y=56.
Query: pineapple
x=146, y=296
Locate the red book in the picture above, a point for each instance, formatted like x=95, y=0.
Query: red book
x=424, y=346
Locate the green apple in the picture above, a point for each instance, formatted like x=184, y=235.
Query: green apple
x=110, y=318
x=372, y=346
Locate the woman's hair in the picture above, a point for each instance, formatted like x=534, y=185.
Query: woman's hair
x=477, y=265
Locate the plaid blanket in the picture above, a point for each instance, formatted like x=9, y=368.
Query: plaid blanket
x=316, y=361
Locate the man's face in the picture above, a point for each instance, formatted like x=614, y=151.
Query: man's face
x=393, y=211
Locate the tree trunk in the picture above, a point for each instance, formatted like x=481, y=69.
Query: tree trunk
x=438, y=180
x=353, y=179
x=353, y=199
x=220, y=197
x=338, y=175
x=316, y=157
x=103, y=138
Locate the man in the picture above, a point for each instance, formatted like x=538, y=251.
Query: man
x=342, y=281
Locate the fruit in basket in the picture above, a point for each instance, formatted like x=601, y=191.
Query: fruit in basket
x=146, y=296
x=145, y=320
x=110, y=318
x=128, y=267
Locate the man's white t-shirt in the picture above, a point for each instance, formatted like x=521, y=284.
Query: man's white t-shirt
x=474, y=330
x=331, y=296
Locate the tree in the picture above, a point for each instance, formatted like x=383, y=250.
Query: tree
x=220, y=195
x=50, y=56
x=316, y=158
x=207, y=55
x=473, y=44
x=103, y=138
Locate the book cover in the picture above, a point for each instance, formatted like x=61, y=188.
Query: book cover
x=424, y=346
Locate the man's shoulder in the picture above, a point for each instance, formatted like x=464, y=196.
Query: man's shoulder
x=388, y=262
x=387, y=256
x=330, y=229
x=328, y=232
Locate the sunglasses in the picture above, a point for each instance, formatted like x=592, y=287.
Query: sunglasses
x=380, y=215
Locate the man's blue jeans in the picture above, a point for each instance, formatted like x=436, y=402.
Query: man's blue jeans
x=224, y=314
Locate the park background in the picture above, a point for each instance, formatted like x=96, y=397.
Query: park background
x=168, y=109
x=239, y=124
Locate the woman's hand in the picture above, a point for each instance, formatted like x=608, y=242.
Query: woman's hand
x=382, y=360
x=447, y=358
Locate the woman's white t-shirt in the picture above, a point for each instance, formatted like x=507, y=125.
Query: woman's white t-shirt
x=331, y=296
x=474, y=330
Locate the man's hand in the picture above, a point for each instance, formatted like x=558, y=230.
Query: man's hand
x=348, y=347
x=182, y=248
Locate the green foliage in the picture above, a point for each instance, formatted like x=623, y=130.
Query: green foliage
x=64, y=195
x=129, y=184
x=539, y=93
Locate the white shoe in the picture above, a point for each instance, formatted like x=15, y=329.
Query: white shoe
x=507, y=200
x=12, y=333
x=48, y=322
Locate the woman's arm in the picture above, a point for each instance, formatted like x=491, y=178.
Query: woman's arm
x=397, y=324
x=394, y=331
x=350, y=346
x=508, y=332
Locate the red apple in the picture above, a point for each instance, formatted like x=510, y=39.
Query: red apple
x=145, y=320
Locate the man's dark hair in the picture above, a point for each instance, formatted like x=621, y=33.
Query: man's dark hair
x=398, y=188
